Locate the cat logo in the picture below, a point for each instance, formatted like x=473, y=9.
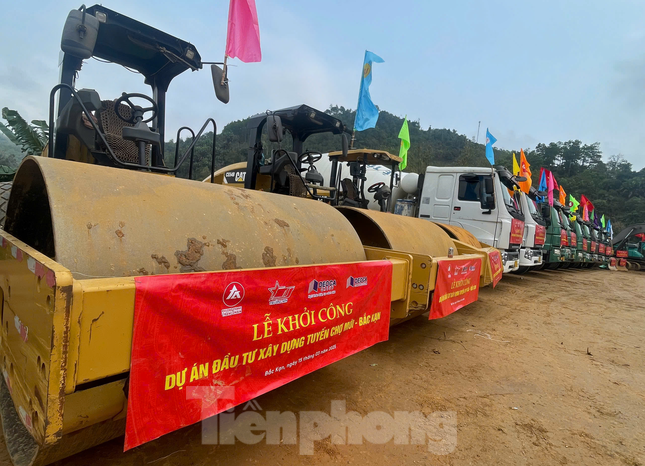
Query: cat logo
x=233, y=177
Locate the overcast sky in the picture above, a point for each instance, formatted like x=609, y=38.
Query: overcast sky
x=531, y=71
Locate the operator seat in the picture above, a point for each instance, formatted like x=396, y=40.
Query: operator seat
x=112, y=127
x=350, y=192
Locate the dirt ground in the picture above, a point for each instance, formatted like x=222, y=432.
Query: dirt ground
x=548, y=368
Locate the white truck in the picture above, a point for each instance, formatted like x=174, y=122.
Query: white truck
x=478, y=200
x=534, y=232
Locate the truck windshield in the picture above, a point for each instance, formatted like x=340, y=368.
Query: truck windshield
x=512, y=202
x=535, y=213
x=563, y=220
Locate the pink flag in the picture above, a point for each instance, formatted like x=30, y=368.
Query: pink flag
x=243, y=38
x=550, y=185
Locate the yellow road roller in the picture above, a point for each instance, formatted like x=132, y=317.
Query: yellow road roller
x=77, y=237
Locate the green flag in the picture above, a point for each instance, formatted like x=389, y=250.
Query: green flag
x=602, y=220
x=574, y=203
x=404, y=136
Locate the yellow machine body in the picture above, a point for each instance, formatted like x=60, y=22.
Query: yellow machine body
x=76, y=237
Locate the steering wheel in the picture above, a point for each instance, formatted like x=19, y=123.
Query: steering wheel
x=310, y=157
x=375, y=187
x=125, y=98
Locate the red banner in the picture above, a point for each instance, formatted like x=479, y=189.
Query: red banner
x=574, y=239
x=622, y=253
x=612, y=262
x=540, y=235
x=593, y=247
x=601, y=249
x=457, y=286
x=609, y=251
x=517, y=231
x=564, y=238
x=622, y=262
x=206, y=342
x=584, y=245
x=495, y=259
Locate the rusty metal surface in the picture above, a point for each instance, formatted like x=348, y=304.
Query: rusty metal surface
x=405, y=234
x=107, y=222
x=460, y=234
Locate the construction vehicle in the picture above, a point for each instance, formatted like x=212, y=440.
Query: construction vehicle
x=605, y=248
x=628, y=247
x=572, y=238
x=364, y=184
x=479, y=200
x=595, y=244
x=582, y=233
x=78, y=234
x=557, y=239
x=535, y=231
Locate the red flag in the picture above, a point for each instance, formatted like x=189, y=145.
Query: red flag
x=587, y=206
x=243, y=38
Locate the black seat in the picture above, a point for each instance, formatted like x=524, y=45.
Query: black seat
x=351, y=197
x=112, y=127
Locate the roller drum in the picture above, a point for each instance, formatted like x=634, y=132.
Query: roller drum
x=107, y=222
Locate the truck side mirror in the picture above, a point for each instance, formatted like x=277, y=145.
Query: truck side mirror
x=489, y=188
x=274, y=128
x=79, y=34
x=220, y=83
x=488, y=203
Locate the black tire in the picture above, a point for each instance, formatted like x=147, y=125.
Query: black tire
x=5, y=190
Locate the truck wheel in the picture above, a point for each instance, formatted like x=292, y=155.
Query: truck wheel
x=5, y=190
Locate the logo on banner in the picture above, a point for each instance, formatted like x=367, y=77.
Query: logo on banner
x=232, y=296
x=280, y=294
x=355, y=282
x=321, y=288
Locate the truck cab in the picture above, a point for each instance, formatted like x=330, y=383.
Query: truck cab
x=595, y=243
x=534, y=231
x=602, y=247
x=556, y=237
x=583, y=240
x=569, y=239
x=478, y=200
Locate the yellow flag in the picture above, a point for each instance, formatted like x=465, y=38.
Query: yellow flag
x=516, y=167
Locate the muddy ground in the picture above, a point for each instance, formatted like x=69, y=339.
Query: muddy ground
x=548, y=368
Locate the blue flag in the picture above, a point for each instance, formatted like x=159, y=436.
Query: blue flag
x=366, y=113
x=542, y=187
x=490, y=140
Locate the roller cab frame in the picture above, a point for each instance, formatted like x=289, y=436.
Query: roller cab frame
x=338, y=177
x=88, y=129
x=321, y=176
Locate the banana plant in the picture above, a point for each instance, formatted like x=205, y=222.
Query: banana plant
x=31, y=138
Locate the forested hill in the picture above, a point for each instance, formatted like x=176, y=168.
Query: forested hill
x=615, y=189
